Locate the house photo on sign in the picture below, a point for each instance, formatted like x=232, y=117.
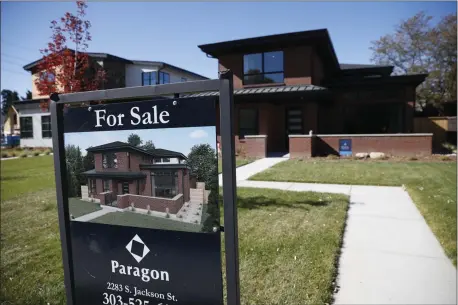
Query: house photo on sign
x=140, y=195
x=150, y=178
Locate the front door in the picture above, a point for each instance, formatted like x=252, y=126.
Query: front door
x=294, y=122
x=125, y=187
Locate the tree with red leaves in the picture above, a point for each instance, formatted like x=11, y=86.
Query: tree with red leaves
x=66, y=70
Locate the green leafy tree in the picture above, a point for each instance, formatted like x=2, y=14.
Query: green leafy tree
x=88, y=161
x=203, y=162
x=8, y=99
x=417, y=46
x=28, y=95
x=75, y=169
x=134, y=140
x=148, y=146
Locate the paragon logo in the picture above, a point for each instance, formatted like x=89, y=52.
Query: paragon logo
x=137, y=248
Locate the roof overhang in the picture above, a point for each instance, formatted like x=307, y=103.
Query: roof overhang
x=159, y=154
x=163, y=166
x=319, y=38
x=114, y=174
x=409, y=79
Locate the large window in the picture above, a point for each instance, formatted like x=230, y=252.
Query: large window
x=248, y=122
x=106, y=185
x=26, y=127
x=109, y=160
x=164, y=78
x=263, y=68
x=46, y=126
x=165, y=184
x=47, y=76
x=148, y=78
x=92, y=186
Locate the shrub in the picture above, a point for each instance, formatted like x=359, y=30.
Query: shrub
x=332, y=157
x=413, y=159
x=48, y=152
x=5, y=155
x=446, y=158
x=37, y=153
x=24, y=155
x=13, y=154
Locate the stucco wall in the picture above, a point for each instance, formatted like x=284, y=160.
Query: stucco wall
x=36, y=113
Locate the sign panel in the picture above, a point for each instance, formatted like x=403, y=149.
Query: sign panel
x=345, y=147
x=141, y=190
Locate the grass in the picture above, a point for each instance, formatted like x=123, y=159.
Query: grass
x=146, y=221
x=289, y=242
x=21, y=176
x=432, y=186
x=79, y=207
x=238, y=162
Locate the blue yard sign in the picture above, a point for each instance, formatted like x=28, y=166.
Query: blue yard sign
x=345, y=147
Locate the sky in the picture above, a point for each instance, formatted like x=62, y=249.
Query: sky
x=171, y=32
x=175, y=139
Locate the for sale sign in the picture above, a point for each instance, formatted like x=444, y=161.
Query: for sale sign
x=139, y=193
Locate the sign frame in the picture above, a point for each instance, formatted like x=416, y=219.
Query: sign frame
x=224, y=85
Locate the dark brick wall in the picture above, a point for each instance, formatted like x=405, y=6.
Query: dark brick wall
x=155, y=203
x=394, y=145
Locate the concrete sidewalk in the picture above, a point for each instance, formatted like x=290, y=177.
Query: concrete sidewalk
x=389, y=253
x=105, y=210
x=246, y=171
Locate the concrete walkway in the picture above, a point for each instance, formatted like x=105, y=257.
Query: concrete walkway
x=246, y=171
x=389, y=253
x=105, y=210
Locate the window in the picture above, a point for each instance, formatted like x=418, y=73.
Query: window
x=165, y=184
x=263, y=68
x=106, y=185
x=92, y=186
x=164, y=78
x=148, y=78
x=47, y=76
x=184, y=79
x=248, y=122
x=14, y=119
x=109, y=160
x=166, y=160
x=46, y=126
x=26, y=127
x=157, y=160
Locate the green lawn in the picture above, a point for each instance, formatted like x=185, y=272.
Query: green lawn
x=289, y=244
x=432, y=186
x=238, y=162
x=146, y=221
x=27, y=175
x=80, y=207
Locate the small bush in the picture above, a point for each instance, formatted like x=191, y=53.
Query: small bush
x=168, y=216
x=446, y=158
x=413, y=159
x=196, y=221
x=13, y=154
x=37, y=153
x=5, y=155
x=24, y=155
x=48, y=152
x=332, y=157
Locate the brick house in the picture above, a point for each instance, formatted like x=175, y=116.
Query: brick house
x=292, y=95
x=126, y=174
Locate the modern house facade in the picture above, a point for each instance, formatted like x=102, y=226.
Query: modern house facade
x=125, y=175
x=33, y=122
x=293, y=96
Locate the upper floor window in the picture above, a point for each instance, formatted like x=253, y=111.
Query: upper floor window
x=148, y=78
x=262, y=68
x=164, y=78
x=184, y=79
x=46, y=126
x=26, y=127
x=109, y=160
x=47, y=76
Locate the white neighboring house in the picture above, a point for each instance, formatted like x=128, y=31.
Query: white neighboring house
x=35, y=124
